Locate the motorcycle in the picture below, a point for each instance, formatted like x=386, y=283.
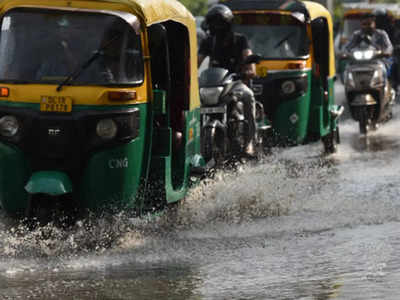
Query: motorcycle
x=368, y=90
x=225, y=130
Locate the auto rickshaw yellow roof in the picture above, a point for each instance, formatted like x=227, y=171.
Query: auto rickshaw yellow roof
x=391, y=8
x=155, y=11
x=315, y=11
x=150, y=11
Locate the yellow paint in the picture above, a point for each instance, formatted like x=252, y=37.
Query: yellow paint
x=81, y=95
x=264, y=66
x=149, y=12
x=261, y=71
x=317, y=10
x=190, y=133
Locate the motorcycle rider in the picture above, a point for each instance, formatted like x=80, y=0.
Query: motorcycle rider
x=378, y=37
x=227, y=49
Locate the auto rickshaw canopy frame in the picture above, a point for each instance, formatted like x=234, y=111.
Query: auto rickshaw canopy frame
x=149, y=12
x=310, y=10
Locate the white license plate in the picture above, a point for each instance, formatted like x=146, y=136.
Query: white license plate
x=213, y=110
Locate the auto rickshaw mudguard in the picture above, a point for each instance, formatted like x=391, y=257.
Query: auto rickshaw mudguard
x=324, y=112
x=176, y=176
x=14, y=172
x=53, y=183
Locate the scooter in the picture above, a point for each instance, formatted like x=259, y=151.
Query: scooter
x=368, y=90
x=225, y=130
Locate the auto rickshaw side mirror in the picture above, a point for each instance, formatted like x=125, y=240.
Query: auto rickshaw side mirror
x=160, y=101
x=204, y=26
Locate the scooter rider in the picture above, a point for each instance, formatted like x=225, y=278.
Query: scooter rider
x=378, y=37
x=227, y=49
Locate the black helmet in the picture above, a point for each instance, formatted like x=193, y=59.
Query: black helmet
x=219, y=18
x=379, y=12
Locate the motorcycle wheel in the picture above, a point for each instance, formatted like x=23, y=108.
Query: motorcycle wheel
x=331, y=141
x=363, y=123
x=361, y=114
x=210, y=148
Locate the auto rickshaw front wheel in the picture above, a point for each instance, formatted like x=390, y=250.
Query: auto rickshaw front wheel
x=331, y=141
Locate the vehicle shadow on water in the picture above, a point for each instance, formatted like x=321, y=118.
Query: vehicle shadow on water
x=374, y=143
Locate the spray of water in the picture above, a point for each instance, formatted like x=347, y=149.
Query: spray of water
x=284, y=186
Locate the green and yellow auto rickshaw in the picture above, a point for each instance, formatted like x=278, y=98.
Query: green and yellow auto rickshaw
x=297, y=69
x=99, y=104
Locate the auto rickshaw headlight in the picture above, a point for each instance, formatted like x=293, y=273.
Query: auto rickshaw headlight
x=9, y=126
x=288, y=87
x=106, y=129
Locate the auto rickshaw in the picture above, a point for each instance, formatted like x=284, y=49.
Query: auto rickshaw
x=99, y=104
x=297, y=69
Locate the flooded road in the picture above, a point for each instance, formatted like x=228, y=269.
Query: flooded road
x=299, y=225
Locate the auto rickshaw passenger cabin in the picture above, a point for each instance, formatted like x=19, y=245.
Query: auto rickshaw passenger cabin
x=111, y=125
x=297, y=69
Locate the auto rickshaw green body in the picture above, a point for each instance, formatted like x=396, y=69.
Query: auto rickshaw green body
x=296, y=88
x=57, y=152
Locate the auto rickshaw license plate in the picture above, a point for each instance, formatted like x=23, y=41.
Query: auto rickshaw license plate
x=56, y=104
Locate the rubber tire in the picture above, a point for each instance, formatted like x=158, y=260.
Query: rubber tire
x=210, y=149
x=362, y=123
x=331, y=141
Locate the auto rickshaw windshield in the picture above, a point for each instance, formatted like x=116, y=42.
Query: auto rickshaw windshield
x=286, y=36
x=45, y=46
x=351, y=23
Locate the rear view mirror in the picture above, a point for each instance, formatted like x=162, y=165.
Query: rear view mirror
x=204, y=26
x=252, y=59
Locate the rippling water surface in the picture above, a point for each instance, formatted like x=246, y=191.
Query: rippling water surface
x=298, y=225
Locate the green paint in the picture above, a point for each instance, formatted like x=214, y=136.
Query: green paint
x=14, y=173
x=291, y=118
x=49, y=182
x=112, y=177
x=320, y=117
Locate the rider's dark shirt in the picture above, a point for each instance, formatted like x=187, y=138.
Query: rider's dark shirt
x=225, y=53
x=379, y=39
